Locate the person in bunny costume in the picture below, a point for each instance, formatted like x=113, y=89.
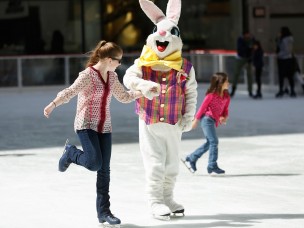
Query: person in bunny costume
x=165, y=112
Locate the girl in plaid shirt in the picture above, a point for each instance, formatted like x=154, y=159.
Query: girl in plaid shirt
x=95, y=87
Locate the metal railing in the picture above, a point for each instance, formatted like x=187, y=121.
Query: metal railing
x=44, y=70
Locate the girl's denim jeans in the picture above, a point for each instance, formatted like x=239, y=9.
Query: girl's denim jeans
x=96, y=156
x=208, y=126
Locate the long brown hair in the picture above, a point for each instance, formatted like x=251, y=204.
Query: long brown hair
x=217, y=81
x=103, y=50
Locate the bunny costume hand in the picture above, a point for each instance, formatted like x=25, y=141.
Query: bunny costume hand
x=191, y=100
x=134, y=82
x=185, y=124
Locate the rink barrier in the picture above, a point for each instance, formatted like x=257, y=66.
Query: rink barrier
x=45, y=70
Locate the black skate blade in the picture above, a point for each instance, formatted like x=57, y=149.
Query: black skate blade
x=178, y=213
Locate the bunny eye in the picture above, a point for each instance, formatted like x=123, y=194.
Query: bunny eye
x=154, y=29
x=175, y=31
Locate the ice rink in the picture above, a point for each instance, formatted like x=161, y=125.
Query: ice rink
x=261, y=148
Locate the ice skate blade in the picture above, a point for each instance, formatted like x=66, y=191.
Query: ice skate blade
x=216, y=174
x=66, y=143
x=107, y=225
x=178, y=213
x=165, y=217
x=187, y=165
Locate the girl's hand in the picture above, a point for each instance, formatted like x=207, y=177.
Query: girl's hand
x=48, y=109
x=223, y=120
x=195, y=123
x=138, y=94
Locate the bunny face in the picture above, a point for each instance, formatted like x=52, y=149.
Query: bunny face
x=165, y=39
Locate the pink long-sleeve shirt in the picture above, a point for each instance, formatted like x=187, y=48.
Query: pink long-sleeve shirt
x=94, y=98
x=214, y=106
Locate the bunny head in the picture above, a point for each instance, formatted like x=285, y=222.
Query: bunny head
x=165, y=38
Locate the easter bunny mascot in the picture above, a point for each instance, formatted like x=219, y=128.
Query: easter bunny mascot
x=165, y=111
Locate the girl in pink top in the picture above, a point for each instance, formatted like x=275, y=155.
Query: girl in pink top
x=212, y=112
x=95, y=87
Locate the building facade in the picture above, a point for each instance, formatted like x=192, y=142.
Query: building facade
x=75, y=26
x=45, y=42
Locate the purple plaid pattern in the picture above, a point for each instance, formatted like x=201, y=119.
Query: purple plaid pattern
x=169, y=106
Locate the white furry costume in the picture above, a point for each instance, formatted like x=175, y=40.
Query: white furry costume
x=160, y=134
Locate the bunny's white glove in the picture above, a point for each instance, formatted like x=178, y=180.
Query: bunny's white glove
x=133, y=81
x=145, y=87
x=185, y=124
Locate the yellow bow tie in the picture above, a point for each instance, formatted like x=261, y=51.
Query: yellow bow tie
x=149, y=58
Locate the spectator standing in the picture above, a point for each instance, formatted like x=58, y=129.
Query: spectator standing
x=285, y=61
x=298, y=75
x=243, y=59
x=258, y=63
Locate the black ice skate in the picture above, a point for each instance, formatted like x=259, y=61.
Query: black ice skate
x=191, y=166
x=109, y=220
x=64, y=161
x=215, y=170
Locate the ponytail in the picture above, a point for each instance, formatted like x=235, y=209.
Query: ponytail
x=103, y=50
x=217, y=81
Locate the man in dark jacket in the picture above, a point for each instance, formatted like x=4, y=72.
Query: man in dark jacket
x=243, y=59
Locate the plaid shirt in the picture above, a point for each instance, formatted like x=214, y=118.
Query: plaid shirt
x=169, y=106
x=94, y=98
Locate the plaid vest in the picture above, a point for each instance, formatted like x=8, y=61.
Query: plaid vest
x=169, y=106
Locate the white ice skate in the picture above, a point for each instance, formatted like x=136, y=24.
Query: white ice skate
x=160, y=211
x=176, y=209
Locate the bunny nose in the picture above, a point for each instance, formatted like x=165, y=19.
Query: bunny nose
x=162, y=32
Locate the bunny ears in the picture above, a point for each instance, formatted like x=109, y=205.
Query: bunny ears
x=156, y=15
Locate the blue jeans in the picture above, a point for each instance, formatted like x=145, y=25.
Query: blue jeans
x=208, y=126
x=96, y=156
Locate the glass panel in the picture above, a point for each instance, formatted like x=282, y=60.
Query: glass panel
x=8, y=72
x=42, y=27
x=127, y=61
x=71, y=27
x=229, y=66
x=92, y=23
x=46, y=71
x=210, y=24
x=77, y=64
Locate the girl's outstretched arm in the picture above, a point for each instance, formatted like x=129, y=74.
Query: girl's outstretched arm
x=195, y=123
x=64, y=96
x=51, y=106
